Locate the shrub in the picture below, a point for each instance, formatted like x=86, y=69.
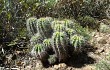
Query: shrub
x=87, y=21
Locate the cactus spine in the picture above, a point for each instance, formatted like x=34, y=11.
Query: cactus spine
x=59, y=44
x=31, y=26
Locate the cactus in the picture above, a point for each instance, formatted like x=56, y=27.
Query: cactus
x=44, y=27
x=41, y=53
x=52, y=59
x=59, y=44
x=55, y=22
x=77, y=41
x=37, y=38
x=47, y=44
x=70, y=32
x=68, y=23
x=31, y=26
x=59, y=27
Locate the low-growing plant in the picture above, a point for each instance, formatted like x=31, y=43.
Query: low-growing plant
x=57, y=37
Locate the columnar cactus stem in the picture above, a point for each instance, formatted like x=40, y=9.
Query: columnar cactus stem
x=31, y=26
x=44, y=27
x=37, y=38
x=59, y=44
x=41, y=53
x=59, y=27
x=68, y=23
x=77, y=41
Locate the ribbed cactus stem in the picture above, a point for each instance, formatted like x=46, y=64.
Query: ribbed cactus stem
x=59, y=27
x=47, y=44
x=37, y=38
x=68, y=23
x=77, y=42
x=40, y=51
x=59, y=44
x=55, y=22
x=70, y=32
x=44, y=27
x=31, y=26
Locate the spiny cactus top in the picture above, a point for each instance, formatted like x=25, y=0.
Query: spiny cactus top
x=70, y=31
x=47, y=43
x=31, y=25
x=55, y=22
x=77, y=41
x=59, y=44
x=44, y=27
x=37, y=38
x=68, y=23
x=59, y=27
x=40, y=51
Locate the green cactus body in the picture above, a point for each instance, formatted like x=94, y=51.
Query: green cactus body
x=37, y=38
x=77, y=41
x=44, y=27
x=68, y=23
x=52, y=59
x=41, y=53
x=47, y=44
x=70, y=32
x=31, y=26
x=59, y=27
x=59, y=44
x=55, y=22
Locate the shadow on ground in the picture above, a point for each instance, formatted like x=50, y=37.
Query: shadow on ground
x=81, y=59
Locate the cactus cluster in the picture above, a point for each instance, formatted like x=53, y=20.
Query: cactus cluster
x=56, y=36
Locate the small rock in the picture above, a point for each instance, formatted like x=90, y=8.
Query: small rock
x=102, y=41
x=69, y=68
x=62, y=65
x=56, y=66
